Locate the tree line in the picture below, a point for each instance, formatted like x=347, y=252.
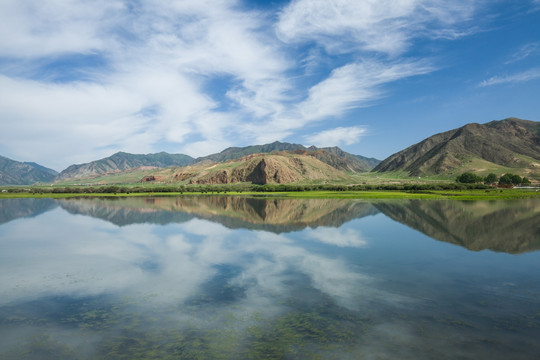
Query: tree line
x=506, y=179
x=239, y=188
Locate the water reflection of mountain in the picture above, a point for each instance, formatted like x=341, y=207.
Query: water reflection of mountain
x=275, y=215
x=127, y=211
x=11, y=209
x=503, y=226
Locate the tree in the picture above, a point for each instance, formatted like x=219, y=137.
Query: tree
x=516, y=179
x=525, y=181
x=490, y=178
x=469, y=178
x=506, y=179
x=509, y=178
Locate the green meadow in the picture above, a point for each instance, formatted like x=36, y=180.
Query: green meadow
x=461, y=194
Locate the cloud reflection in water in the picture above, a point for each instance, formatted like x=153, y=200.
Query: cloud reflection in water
x=311, y=287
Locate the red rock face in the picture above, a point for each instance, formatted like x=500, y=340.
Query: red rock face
x=270, y=171
x=148, y=178
x=257, y=169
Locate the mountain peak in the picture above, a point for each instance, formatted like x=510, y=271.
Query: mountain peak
x=23, y=173
x=122, y=161
x=328, y=155
x=511, y=142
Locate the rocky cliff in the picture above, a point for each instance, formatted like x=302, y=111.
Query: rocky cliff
x=260, y=169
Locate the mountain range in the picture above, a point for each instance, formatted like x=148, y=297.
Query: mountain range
x=276, y=162
x=509, y=145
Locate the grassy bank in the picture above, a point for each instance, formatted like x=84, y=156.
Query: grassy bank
x=467, y=194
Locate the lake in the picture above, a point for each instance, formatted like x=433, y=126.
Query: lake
x=251, y=278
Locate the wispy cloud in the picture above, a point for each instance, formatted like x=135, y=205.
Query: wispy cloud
x=382, y=26
x=337, y=136
x=158, y=56
x=348, y=87
x=28, y=28
x=355, y=85
x=339, y=237
x=524, y=76
x=524, y=52
x=195, y=77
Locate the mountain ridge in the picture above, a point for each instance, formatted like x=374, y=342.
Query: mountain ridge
x=512, y=143
x=262, y=168
x=509, y=145
x=232, y=153
x=14, y=172
x=121, y=161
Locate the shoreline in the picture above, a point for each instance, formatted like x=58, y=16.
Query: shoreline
x=468, y=194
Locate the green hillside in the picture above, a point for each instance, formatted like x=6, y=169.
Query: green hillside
x=122, y=161
x=510, y=145
x=23, y=173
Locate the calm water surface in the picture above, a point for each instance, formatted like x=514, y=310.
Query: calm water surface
x=236, y=278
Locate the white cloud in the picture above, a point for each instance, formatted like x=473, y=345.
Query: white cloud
x=157, y=57
x=337, y=136
x=197, y=76
x=103, y=258
x=355, y=85
x=350, y=86
x=88, y=117
x=385, y=26
x=35, y=28
x=338, y=237
x=531, y=74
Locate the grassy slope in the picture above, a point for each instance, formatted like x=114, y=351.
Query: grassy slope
x=473, y=164
x=427, y=194
x=507, y=146
x=133, y=177
x=482, y=168
x=122, y=178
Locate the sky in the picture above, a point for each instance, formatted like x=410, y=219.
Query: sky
x=81, y=80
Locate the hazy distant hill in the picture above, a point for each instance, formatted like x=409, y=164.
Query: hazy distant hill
x=23, y=173
x=511, y=143
x=122, y=161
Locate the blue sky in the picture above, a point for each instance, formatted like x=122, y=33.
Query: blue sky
x=80, y=80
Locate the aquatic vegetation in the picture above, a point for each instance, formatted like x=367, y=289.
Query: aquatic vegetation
x=143, y=281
